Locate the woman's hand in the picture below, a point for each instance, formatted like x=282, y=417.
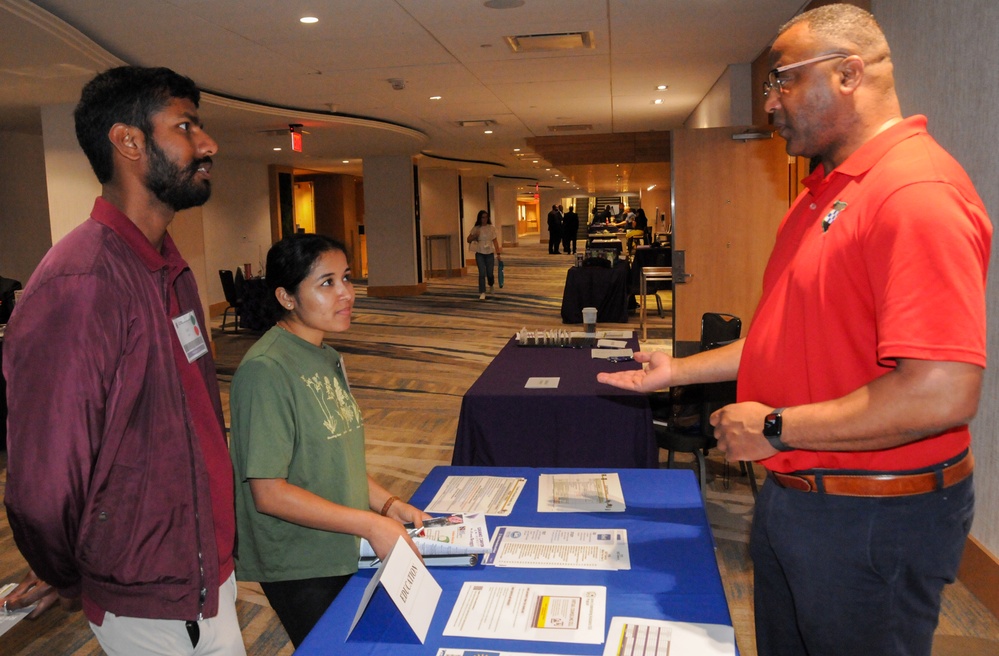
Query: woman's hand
x=407, y=514
x=383, y=533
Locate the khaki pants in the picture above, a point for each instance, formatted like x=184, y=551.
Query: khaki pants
x=134, y=636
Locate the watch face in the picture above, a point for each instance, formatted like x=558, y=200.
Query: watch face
x=772, y=425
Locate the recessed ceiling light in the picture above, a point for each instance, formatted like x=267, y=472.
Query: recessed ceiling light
x=658, y=101
x=487, y=131
x=516, y=150
x=277, y=147
x=435, y=97
x=534, y=161
x=308, y=20
x=346, y=161
x=662, y=87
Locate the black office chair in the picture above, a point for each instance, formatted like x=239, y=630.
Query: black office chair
x=8, y=289
x=233, y=300
x=681, y=416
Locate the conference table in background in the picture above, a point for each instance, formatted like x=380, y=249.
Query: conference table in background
x=605, y=288
x=673, y=575
x=581, y=423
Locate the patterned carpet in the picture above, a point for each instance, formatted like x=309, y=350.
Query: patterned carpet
x=410, y=360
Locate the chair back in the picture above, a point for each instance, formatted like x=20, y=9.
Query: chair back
x=240, y=284
x=719, y=329
x=228, y=286
x=8, y=292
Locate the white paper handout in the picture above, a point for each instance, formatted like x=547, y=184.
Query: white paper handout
x=566, y=548
x=612, y=343
x=457, y=651
x=490, y=495
x=548, y=613
x=9, y=619
x=612, y=353
x=580, y=493
x=449, y=540
x=617, y=334
x=630, y=636
x=538, y=382
x=410, y=586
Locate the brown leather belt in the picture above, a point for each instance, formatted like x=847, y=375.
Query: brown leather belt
x=878, y=484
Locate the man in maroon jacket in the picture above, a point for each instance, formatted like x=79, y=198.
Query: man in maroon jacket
x=119, y=488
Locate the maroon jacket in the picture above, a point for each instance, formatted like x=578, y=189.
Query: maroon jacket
x=107, y=487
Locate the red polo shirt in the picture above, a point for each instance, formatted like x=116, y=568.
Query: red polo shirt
x=884, y=258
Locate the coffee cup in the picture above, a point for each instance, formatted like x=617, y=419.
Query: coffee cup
x=589, y=319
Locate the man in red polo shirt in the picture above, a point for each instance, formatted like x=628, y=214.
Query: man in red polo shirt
x=863, y=363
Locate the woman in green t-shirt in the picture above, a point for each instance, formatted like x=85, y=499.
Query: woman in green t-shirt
x=303, y=495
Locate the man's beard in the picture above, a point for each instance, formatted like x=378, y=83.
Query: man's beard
x=174, y=186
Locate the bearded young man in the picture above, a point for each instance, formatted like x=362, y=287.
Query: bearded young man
x=119, y=483
x=863, y=363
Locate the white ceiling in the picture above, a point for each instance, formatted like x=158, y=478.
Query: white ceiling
x=263, y=69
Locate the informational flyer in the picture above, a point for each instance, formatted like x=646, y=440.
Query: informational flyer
x=536, y=382
x=8, y=619
x=451, y=651
x=489, y=495
x=563, y=548
x=580, y=493
x=631, y=636
x=547, y=613
x=448, y=541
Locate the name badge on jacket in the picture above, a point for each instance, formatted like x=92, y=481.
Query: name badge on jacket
x=189, y=333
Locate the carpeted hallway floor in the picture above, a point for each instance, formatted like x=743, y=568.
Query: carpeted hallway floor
x=410, y=360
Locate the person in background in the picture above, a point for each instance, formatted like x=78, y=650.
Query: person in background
x=485, y=245
x=554, y=230
x=303, y=494
x=570, y=230
x=857, y=379
x=119, y=484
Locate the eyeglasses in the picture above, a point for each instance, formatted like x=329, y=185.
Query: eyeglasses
x=773, y=77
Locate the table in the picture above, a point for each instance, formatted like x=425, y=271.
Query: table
x=605, y=288
x=582, y=423
x=254, y=312
x=429, y=241
x=674, y=573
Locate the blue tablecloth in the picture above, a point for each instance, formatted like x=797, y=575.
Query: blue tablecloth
x=673, y=575
x=582, y=423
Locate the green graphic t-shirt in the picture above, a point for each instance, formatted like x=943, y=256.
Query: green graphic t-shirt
x=293, y=417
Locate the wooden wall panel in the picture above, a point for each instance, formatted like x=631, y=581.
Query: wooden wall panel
x=729, y=198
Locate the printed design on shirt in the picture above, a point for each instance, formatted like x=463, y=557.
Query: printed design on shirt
x=336, y=403
x=837, y=207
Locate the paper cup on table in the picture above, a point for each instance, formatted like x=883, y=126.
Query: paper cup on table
x=590, y=320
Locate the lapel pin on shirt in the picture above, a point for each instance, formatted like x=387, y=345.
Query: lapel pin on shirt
x=838, y=207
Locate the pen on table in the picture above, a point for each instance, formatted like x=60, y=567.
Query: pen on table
x=620, y=358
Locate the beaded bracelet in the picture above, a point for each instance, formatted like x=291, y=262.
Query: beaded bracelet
x=388, y=504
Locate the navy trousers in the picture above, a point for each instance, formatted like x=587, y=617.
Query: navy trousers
x=837, y=575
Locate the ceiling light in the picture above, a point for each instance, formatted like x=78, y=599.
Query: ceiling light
x=650, y=188
x=346, y=161
x=308, y=20
x=662, y=87
x=397, y=83
x=534, y=161
x=487, y=131
x=277, y=147
x=550, y=42
x=658, y=101
x=435, y=97
x=516, y=150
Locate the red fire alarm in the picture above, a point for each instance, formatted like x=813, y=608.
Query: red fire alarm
x=296, y=136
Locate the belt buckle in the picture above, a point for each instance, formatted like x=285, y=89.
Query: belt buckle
x=795, y=482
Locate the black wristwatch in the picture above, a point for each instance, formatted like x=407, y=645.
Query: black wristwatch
x=772, y=426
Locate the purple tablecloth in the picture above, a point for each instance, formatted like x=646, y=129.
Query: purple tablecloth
x=580, y=424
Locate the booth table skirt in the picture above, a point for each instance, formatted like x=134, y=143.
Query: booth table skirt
x=581, y=423
x=605, y=288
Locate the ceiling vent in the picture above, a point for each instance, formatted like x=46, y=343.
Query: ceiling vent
x=580, y=127
x=479, y=123
x=549, y=42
